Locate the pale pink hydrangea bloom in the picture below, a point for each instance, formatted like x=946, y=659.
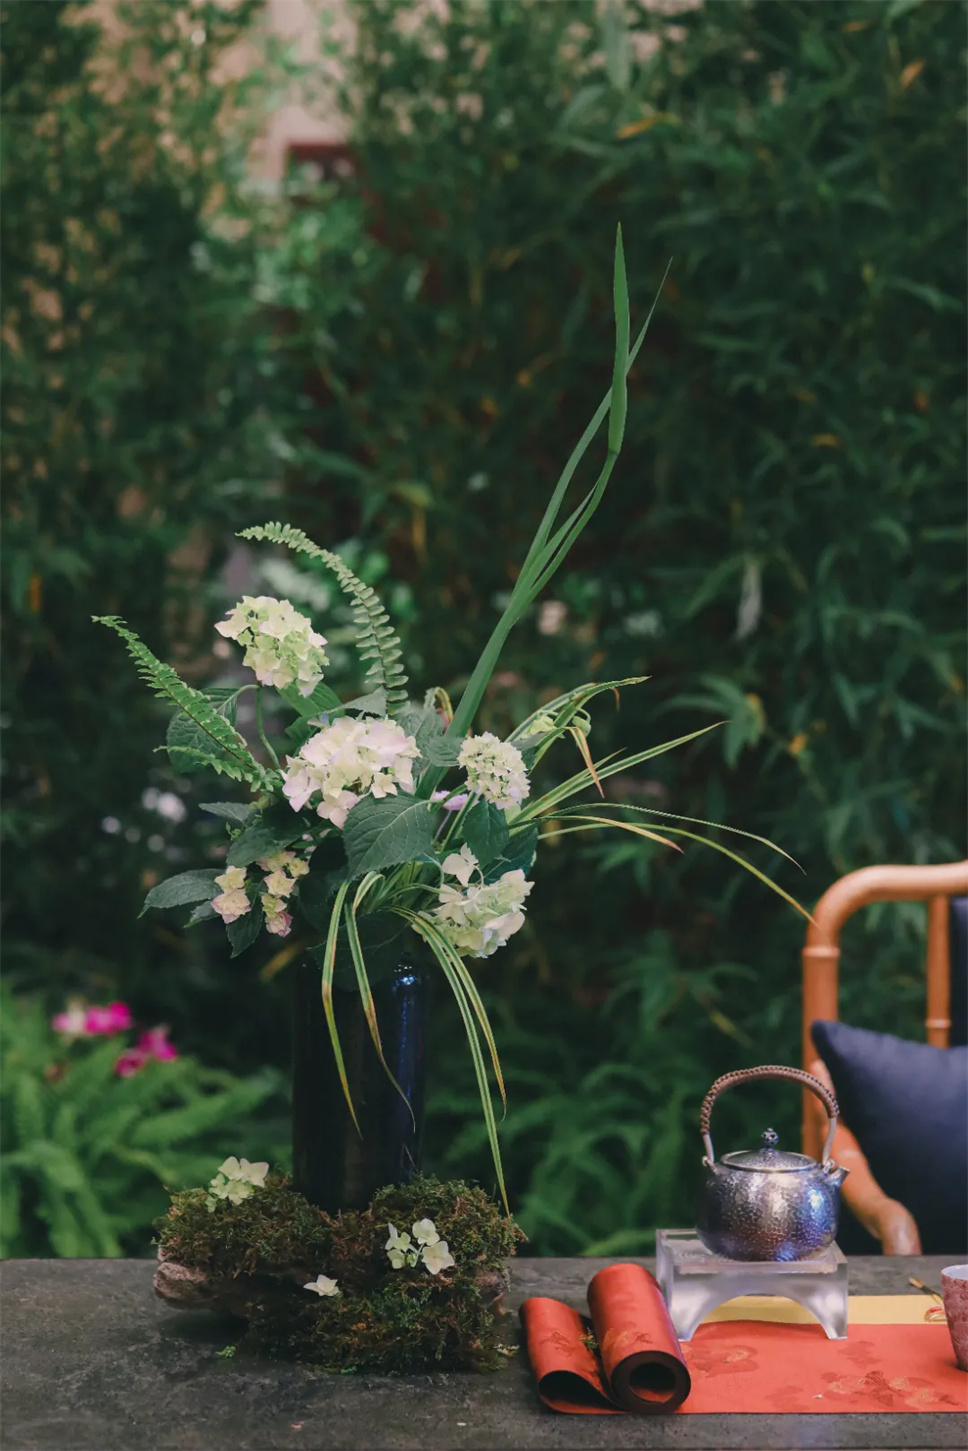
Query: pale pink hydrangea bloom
x=347, y=760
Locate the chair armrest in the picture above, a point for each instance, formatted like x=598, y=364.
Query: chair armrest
x=885, y=1218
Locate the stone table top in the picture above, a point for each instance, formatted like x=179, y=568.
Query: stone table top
x=92, y=1361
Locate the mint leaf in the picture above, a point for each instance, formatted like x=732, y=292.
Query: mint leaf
x=196, y=886
x=382, y=833
x=485, y=831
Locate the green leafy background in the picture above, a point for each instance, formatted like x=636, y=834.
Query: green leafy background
x=398, y=362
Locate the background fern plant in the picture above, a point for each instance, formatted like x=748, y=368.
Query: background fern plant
x=88, y=1155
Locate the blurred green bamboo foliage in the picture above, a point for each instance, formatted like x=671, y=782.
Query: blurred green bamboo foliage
x=782, y=547
x=137, y=429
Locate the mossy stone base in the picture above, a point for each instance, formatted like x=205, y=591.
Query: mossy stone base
x=253, y=1260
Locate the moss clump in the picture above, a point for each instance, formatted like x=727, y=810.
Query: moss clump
x=259, y=1254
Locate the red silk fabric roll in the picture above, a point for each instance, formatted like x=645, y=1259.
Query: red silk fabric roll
x=639, y=1366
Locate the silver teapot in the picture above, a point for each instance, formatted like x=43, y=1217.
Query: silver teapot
x=767, y=1204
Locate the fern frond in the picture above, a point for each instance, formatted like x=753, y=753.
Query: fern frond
x=377, y=641
x=166, y=682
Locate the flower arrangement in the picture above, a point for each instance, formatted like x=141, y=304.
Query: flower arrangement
x=385, y=805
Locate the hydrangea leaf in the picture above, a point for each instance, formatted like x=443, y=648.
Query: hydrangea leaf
x=262, y=840
x=485, y=830
x=244, y=930
x=232, y=811
x=383, y=833
x=195, y=886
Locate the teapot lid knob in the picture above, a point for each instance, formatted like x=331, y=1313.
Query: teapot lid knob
x=770, y=1139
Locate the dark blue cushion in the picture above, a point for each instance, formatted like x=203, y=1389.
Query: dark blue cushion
x=958, y=954
x=907, y=1106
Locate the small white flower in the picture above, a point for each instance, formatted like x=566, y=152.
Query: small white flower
x=277, y=884
x=425, y=1232
x=231, y=905
x=243, y=1171
x=234, y=1190
x=400, y=1250
x=438, y=1257
x=461, y=864
x=322, y=1285
x=231, y=879
x=495, y=769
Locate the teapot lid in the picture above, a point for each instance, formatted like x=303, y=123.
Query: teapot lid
x=769, y=1159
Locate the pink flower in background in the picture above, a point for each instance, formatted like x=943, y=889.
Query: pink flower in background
x=130, y=1061
x=152, y=1044
x=155, y=1043
x=115, y=1018
x=81, y=1022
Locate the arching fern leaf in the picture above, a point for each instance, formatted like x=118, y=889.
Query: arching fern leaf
x=232, y=757
x=377, y=641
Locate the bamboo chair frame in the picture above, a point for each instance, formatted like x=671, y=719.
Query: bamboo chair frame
x=882, y=1216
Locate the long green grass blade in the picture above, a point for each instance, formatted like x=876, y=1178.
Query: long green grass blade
x=600, y=823
x=440, y=947
x=329, y=968
x=577, y=783
x=677, y=816
x=363, y=981
x=545, y=554
x=561, y=708
x=741, y=861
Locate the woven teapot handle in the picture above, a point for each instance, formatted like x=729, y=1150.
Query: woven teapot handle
x=769, y=1070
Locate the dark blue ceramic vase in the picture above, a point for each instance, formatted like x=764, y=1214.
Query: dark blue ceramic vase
x=334, y=1166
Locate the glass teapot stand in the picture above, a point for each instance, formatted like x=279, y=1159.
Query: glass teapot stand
x=694, y=1281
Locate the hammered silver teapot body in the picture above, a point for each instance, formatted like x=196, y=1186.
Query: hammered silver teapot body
x=766, y=1204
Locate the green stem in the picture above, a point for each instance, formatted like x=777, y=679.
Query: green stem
x=262, y=734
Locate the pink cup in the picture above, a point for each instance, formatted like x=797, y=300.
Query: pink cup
x=954, y=1292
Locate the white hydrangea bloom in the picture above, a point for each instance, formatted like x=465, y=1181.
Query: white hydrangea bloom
x=460, y=864
x=236, y=1180
x=278, y=884
x=322, y=1285
x=232, y=905
x=479, y=919
x=231, y=879
x=438, y=1257
x=242, y=1170
x=495, y=769
x=400, y=1249
x=278, y=920
x=425, y=1232
x=281, y=646
x=345, y=761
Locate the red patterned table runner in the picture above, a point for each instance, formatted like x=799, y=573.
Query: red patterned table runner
x=734, y=1365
